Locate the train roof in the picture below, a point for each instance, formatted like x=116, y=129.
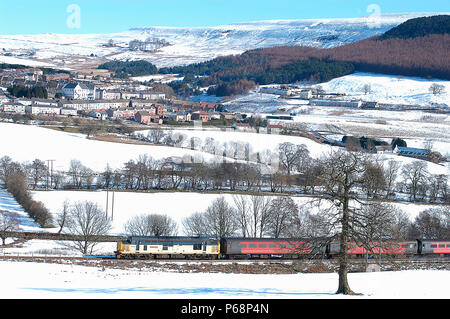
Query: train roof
x=168, y=239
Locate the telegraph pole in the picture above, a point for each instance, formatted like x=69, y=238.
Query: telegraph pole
x=50, y=173
x=107, y=193
x=112, y=206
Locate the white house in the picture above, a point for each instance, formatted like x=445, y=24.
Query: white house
x=77, y=91
x=12, y=107
x=43, y=109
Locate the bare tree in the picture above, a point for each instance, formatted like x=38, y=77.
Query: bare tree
x=366, y=88
x=241, y=205
x=433, y=223
x=437, y=89
x=415, y=175
x=156, y=135
x=61, y=216
x=151, y=225
x=391, y=170
x=38, y=171
x=260, y=214
x=343, y=173
x=220, y=219
x=283, y=211
x=8, y=223
x=195, y=225
x=89, y=222
x=292, y=156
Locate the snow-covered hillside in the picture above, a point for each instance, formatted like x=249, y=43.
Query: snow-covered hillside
x=190, y=45
x=389, y=89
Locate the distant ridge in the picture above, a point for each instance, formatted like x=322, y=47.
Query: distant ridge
x=423, y=56
x=419, y=27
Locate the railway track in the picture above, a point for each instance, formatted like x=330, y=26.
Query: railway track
x=232, y=266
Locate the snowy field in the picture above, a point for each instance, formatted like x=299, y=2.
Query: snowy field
x=385, y=89
x=40, y=280
x=31, y=142
x=389, y=89
x=31, y=280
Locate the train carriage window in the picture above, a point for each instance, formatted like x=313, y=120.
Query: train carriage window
x=197, y=247
x=281, y=245
x=165, y=247
x=434, y=246
x=145, y=247
x=448, y=245
x=272, y=246
x=262, y=245
x=292, y=245
x=441, y=245
x=243, y=245
x=251, y=245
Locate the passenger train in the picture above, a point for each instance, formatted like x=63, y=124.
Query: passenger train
x=143, y=247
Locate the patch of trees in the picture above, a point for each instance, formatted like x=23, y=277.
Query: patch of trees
x=362, y=143
x=232, y=88
x=419, y=27
x=15, y=178
x=22, y=91
x=123, y=69
x=148, y=45
x=313, y=70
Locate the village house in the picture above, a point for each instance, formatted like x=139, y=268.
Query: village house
x=76, y=91
x=179, y=116
x=100, y=115
x=37, y=109
x=274, y=129
x=67, y=111
x=56, y=77
x=381, y=149
x=108, y=95
x=145, y=117
x=93, y=105
x=128, y=112
x=145, y=95
x=200, y=116
x=13, y=107
x=244, y=127
x=45, y=102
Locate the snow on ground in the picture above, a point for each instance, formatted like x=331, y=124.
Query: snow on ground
x=40, y=280
x=386, y=89
x=30, y=142
x=198, y=44
x=389, y=89
x=21, y=61
x=259, y=142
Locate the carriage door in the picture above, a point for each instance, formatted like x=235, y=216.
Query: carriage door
x=204, y=246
